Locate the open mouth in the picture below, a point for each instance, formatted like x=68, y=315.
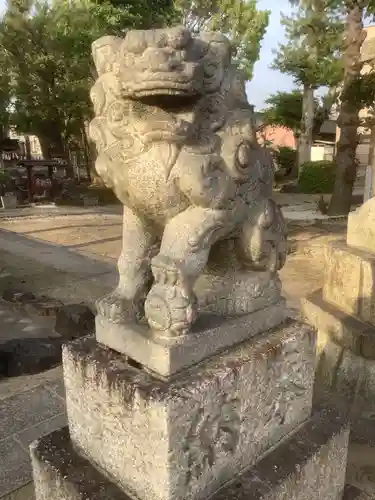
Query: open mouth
x=168, y=100
x=165, y=92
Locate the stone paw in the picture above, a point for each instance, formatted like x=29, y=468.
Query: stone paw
x=170, y=310
x=116, y=308
x=171, y=306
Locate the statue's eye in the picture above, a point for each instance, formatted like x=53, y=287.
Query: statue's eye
x=210, y=69
x=243, y=155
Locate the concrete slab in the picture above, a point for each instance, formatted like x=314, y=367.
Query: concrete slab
x=27, y=410
x=30, y=434
x=25, y=417
x=15, y=466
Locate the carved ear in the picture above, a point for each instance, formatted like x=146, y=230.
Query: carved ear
x=104, y=51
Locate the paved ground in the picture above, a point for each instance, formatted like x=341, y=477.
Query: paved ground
x=24, y=417
x=29, y=405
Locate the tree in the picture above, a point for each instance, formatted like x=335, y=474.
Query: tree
x=311, y=57
x=238, y=19
x=351, y=103
x=284, y=109
x=145, y=14
x=47, y=47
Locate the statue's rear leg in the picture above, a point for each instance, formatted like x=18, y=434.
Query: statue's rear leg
x=135, y=277
x=171, y=306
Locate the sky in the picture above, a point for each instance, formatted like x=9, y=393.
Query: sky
x=265, y=80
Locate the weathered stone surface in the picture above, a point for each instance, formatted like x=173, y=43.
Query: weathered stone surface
x=26, y=410
x=237, y=292
x=345, y=362
x=15, y=468
x=309, y=465
x=17, y=295
x=350, y=281
x=43, y=306
x=348, y=380
x=347, y=331
x=29, y=355
x=27, y=302
x=74, y=321
x=361, y=227
x=353, y=493
x=361, y=464
x=187, y=436
x=176, y=142
x=61, y=474
x=212, y=333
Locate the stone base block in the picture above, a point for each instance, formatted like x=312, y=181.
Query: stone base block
x=345, y=361
x=346, y=330
x=212, y=333
x=184, y=438
x=309, y=465
x=61, y=474
x=350, y=280
x=353, y=493
x=361, y=233
x=361, y=467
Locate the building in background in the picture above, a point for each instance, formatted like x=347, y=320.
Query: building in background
x=25, y=142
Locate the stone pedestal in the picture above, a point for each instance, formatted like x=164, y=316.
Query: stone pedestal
x=343, y=312
x=132, y=433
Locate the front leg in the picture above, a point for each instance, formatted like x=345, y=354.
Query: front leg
x=171, y=306
x=135, y=278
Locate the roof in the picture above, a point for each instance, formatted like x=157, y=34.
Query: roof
x=328, y=127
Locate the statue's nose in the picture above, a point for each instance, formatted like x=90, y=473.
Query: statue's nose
x=156, y=59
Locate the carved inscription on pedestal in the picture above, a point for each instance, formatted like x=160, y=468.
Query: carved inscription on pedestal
x=286, y=374
x=213, y=430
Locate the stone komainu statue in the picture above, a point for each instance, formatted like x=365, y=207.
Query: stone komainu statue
x=176, y=143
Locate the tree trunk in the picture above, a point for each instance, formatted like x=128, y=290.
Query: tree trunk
x=86, y=154
x=45, y=146
x=295, y=170
x=307, y=125
x=28, y=147
x=348, y=120
x=369, y=179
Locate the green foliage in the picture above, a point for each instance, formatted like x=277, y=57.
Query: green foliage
x=4, y=177
x=47, y=51
x=145, y=14
x=317, y=177
x=285, y=158
x=238, y=19
x=314, y=37
x=285, y=110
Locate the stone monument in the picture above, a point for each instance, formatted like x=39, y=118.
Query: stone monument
x=196, y=384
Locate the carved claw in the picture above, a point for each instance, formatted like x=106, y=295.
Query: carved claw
x=117, y=309
x=170, y=307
